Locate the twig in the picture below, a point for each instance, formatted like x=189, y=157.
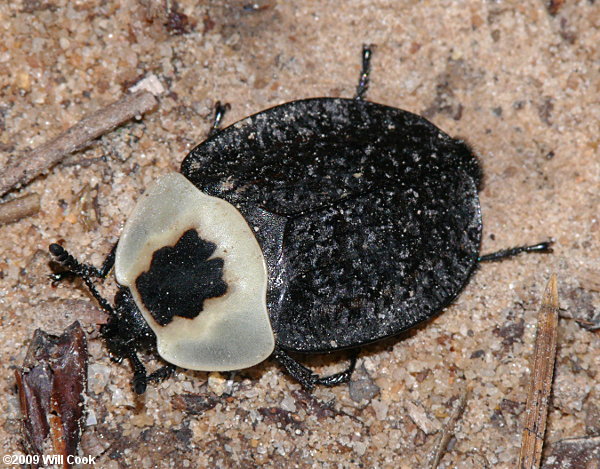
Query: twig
x=540, y=383
x=448, y=430
x=26, y=168
x=19, y=208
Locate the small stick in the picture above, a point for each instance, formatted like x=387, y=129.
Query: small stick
x=19, y=208
x=27, y=167
x=448, y=430
x=540, y=383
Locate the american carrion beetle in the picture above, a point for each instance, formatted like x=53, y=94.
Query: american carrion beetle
x=316, y=225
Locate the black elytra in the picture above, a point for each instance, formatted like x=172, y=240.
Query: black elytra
x=368, y=217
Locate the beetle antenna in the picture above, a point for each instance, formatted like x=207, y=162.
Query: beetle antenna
x=363, y=81
x=544, y=248
x=77, y=268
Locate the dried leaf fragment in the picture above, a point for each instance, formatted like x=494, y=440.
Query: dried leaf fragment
x=540, y=384
x=51, y=386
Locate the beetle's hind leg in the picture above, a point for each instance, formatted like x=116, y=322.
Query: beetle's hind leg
x=306, y=377
x=220, y=110
x=545, y=247
x=363, y=81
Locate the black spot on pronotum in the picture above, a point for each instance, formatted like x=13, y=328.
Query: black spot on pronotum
x=180, y=278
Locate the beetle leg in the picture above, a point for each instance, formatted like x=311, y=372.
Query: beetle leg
x=220, y=111
x=162, y=373
x=296, y=369
x=140, y=378
x=306, y=377
x=341, y=377
x=109, y=262
x=103, y=302
x=363, y=81
x=544, y=247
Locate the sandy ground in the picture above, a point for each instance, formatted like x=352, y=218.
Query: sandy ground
x=518, y=82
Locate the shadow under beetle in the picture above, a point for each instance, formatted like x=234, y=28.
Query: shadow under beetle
x=314, y=226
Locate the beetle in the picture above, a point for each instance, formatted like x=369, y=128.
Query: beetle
x=314, y=226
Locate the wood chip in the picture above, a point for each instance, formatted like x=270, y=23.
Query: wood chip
x=540, y=384
x=27, y=167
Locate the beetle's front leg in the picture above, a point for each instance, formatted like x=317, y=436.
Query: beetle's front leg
x=141, y=378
